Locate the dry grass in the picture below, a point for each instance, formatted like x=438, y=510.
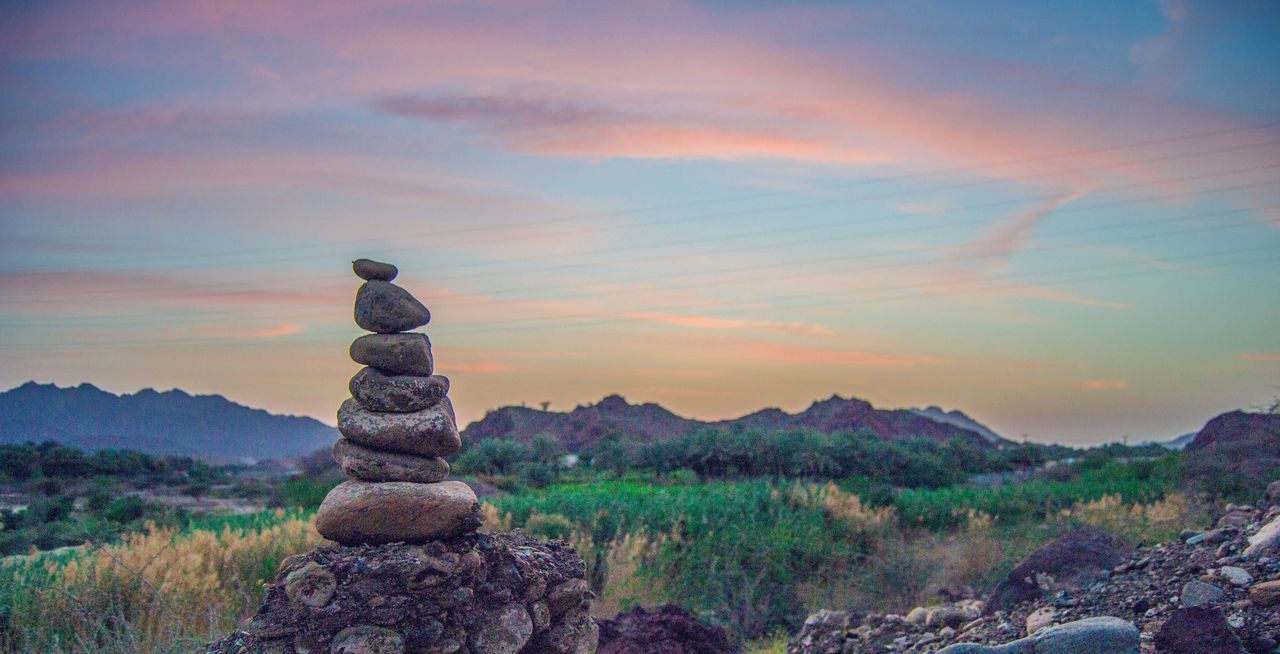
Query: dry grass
x=155, y=591
x=1138, y=523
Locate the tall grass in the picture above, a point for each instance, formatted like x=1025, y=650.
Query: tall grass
x=157, y=591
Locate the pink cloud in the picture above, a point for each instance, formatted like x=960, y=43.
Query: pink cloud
x=1260, y=356
x=720, y=323
x=276, y=330
x=1105, y=385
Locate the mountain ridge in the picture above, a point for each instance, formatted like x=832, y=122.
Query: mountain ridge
x=586, y=425
x=172, y=422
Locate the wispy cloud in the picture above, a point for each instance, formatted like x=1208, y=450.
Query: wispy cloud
x=720, y=323
x=1105, y=385
x=1260, y=356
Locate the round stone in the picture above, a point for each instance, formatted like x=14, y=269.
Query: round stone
x=402, y=354
x=373, y=465
x=370, y=270
x=505, y=631
x=360, y=512
x=376, y=390
x=310, y=585
x=385, y=308
x=430, y=432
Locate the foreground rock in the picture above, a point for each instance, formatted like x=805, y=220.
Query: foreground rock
x=370, y=270
x=1105, y=635
x=667, y=629
x=1197, y=630
x=1072, y=561
x=476, y=593
x=389, y=512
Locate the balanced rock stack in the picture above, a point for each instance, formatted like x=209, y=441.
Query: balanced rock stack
x=397, y=427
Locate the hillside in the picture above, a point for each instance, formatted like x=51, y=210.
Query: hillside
x=958, y=418
x=173, y=422
x=585, y=426
x=1241, y=442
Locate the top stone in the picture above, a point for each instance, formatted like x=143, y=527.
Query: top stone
x=370, y=270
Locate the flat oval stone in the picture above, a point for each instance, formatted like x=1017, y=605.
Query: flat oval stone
x=385, y=308
x=430, y=432
x=403, y=354
x=376, y=390
x=360, y=512
x=370, y=270
x=374, y=465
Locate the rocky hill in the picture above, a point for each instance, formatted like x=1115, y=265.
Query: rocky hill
x=1240, y=442
x=174, y=422
x=958, y=418
x=586, y=425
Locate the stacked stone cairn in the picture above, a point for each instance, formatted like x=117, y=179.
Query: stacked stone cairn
x=397, y=427
x=409, y=573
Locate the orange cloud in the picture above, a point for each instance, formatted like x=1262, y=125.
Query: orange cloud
x=270, y=331
x=1105, y=385
x=1260, y=356
x=715, y=322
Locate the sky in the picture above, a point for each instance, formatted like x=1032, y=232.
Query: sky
x=1061, y=218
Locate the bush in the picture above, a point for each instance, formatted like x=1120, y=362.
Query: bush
x=126, y=509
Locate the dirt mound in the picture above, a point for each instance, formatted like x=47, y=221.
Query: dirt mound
x=478, y=593
x=668, y=629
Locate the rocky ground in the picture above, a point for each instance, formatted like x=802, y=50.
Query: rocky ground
x=1201, y=594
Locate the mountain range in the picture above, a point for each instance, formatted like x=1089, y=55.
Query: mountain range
x=586, y=425
x=172, y=422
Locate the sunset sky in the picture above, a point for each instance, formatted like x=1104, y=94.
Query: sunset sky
x=1061, y=218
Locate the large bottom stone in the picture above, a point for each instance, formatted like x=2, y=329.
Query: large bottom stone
x=367, y=513
x=368, y=464
x=478, y=593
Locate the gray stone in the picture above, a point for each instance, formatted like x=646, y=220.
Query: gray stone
x=360, y=512
x=385, y=308
x=367, y=639
x=378, y=390
x=369, y=464
x=1235, y=576
x=430, y=432
x=402, y=354
x=1265, y=540
x=1199, y=593
x=1105, y=635
x=310, y=585
x=370, y=270
x=566, y=596
x=505, y=631
x=1039, y=619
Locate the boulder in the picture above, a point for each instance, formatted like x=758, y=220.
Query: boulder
x=1266, y=593
x=1197, y=630
x=1265, y=540
x=469, y=593
x=360, y=512
x=370, y=270
x=375, y=465
x=825, y=631
x=1072, y=561
x=401, y=354
x=1104, y=635
x=430, y=432
x=385, y=308
x=1039, y=619
x=667, y=629
x=379, y=390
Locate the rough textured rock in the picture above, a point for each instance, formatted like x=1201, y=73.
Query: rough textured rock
x=364, y=512
x=373, y=465
x=1074, y=560
x=385, y=308
x=1266, y=593
x=472, y=594
x=402, y=354
x=1103, y=635
x=370, y=270
x=1265, y=541
x=1199, y=593
x=430, y=432
x=379, y=390
x=667, y=629
x=1197, y=631
x=824, y=632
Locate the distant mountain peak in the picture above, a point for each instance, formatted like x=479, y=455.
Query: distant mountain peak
x=958, y=418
